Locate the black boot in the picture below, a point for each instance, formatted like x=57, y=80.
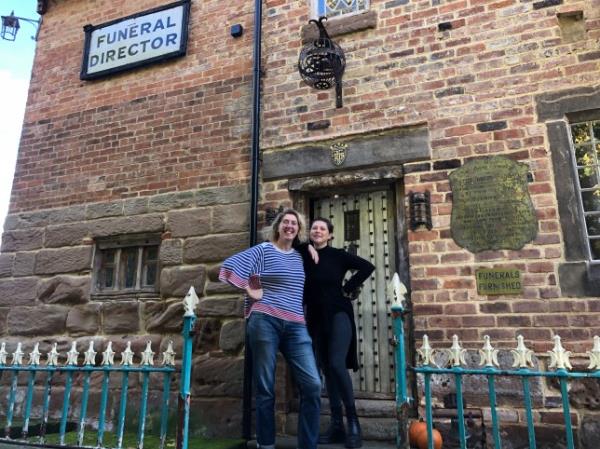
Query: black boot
x=335, y=432
x=353, y=435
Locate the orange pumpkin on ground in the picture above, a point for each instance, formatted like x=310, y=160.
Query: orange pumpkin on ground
x=415, y=429
x=437, y=439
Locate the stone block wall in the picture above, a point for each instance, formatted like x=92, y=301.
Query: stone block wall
x=46, y=291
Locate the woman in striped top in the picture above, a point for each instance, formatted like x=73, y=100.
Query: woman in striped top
x=272, y=275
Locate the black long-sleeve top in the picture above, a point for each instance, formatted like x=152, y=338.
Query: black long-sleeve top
x=324, y=291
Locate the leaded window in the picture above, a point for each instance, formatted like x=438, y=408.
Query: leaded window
x=333, y=8
x=127, y=264
x=586, y=157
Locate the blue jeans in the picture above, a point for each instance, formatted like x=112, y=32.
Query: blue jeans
x=267, y=335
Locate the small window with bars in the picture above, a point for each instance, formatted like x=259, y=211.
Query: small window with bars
x=586, y=157
x=127, y=264
x=334, y=8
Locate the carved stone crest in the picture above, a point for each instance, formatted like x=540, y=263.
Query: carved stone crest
x=491, y=207
x=338, y=153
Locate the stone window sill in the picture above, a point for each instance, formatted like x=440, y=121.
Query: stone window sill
x=126, y=296
x=336, y=26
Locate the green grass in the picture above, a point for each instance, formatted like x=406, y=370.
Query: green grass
x=150, y=441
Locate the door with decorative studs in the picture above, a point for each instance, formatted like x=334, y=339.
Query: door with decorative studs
x=364, y=224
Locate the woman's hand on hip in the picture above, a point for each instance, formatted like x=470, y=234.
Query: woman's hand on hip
x=255, y=294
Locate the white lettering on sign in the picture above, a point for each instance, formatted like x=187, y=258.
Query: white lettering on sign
x=134, y=40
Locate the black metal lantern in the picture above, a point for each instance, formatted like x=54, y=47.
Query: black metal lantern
x=420, y=210
x=10, y=27
x=322, y=63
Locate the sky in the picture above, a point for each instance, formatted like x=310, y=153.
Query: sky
x=16, y=59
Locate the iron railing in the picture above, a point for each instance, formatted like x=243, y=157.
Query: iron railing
x=45, y=375
x=455, y=357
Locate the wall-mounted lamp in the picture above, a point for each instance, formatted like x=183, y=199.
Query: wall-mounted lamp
x=322, y=62
x=11, y=25
x=420, y=210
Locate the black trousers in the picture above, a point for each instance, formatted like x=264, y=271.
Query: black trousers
x=332, y=346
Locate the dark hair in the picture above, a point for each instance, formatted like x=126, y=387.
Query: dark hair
x=274, y=233
x=326, y=221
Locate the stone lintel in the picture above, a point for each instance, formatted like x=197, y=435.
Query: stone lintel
x=397, y=147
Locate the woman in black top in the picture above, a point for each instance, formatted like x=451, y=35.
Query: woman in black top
x=330, y=321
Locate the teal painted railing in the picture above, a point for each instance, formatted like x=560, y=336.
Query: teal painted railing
x=455, y=355
x=42, y=376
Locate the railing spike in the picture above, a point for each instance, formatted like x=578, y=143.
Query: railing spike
x=53, y=356
x=34, y=356
x=489, y=355
x=108, y=356
x=523, y=356
x=456, y=353
x=594, y=354
x=190, y=302
x=559, y=357
x=72, y=355
x=426, y=352
x=127, y=355
x=396, y=291
x=17, y=356
x=90, y=355
x=3, y=353
x=148, y=355
x=169, y=355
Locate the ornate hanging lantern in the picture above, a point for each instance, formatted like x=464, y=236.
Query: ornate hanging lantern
x=322, y=63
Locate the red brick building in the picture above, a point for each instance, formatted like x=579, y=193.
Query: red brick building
x=132, y=186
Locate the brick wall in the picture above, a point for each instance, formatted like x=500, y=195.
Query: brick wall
x=174, y=126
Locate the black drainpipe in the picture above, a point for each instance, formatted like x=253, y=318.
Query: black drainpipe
x=254, y=158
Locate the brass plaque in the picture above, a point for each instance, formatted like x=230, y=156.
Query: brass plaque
x=499, y=281
x=491, y=207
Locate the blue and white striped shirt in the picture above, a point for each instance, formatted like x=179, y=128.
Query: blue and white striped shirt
x=279, y=273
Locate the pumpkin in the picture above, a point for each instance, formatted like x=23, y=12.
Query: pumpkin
x=437, y=439
x=415, y=429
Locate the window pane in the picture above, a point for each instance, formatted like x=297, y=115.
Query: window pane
x=596, y=127
x=339, y=7
x=151, y=253
x=584, y=155
x=150, y=275
x=109, y=277
x=595, y=249
x=593, y=225
x=588, y=177
x=580, y=132
x=591, y=200
x=129, y=264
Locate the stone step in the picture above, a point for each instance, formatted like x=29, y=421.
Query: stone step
x=373, y=428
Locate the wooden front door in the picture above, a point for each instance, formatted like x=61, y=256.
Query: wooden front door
x=364, y=224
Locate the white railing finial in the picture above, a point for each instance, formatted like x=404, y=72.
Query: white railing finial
x=190, y=302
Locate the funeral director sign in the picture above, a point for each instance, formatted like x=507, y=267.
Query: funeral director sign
x=144, y=38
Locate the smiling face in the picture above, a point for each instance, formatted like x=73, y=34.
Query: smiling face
x=288, y=228
x=320, y=234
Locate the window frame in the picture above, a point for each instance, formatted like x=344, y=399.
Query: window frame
x=140, y=242
x=317, y=5
x=578, y=277
x=576, y=119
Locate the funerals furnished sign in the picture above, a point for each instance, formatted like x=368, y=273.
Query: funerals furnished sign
x=143, y=38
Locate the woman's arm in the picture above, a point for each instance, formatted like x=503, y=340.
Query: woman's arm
x=363, y=268
x=242, y=269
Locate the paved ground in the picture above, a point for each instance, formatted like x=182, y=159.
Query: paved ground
x=290, y=443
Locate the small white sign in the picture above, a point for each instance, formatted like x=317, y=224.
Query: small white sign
x=143, y=38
